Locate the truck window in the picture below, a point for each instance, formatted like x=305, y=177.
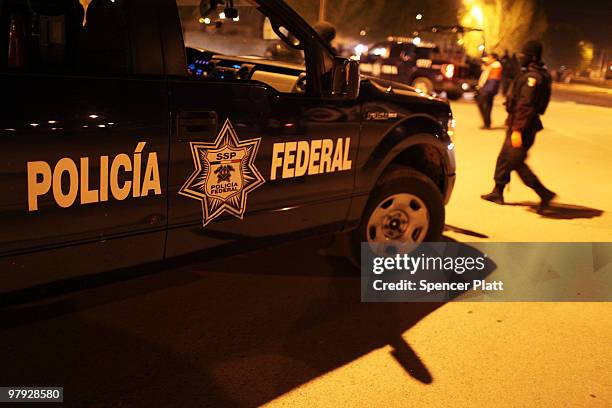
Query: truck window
x=397, y=50
x=426, y=52
x=248, y=47
x=67, y=36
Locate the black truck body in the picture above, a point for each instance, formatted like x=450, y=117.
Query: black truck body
x=115, y=153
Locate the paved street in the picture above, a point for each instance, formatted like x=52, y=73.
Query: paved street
x=571, y=156
x=295, y=333
x=584, y=93
x=505, y=354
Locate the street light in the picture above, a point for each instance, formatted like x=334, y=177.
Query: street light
x=419, y=16
x=478, y=14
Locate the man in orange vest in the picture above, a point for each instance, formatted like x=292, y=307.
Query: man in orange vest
x=488, y=84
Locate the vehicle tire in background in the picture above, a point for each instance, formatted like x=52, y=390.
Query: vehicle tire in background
x=424, y=84
x=454, y=95
x=406, y=206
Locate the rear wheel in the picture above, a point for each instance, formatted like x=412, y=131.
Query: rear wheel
x=424, y=85
x=406, y=207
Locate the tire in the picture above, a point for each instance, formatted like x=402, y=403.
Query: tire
x=424, y=84
x=400, y=183
x=454, y=95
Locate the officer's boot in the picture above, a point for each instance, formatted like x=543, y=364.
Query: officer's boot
x=546, y=196
x=496, y=196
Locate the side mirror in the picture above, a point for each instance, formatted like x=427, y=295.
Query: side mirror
x=345, y=78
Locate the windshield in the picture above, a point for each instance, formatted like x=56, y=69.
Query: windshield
x=250, y=35
x=426, y=52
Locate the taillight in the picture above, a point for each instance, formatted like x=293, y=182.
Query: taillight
x=448, y=70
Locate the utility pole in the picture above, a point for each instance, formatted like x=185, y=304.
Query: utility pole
x=322, y=8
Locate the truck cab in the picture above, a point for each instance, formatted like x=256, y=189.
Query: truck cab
x=138, y=131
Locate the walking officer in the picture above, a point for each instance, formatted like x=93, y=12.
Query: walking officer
x=528, y=98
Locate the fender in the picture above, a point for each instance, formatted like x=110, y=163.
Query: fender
x=414, y=130
x=417, y=129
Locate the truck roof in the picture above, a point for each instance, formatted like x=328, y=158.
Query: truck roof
x=410, y=40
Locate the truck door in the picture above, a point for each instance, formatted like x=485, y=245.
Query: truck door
x=246, y=130
x=84, y=141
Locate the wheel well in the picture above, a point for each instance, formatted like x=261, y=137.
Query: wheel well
x=426, y=159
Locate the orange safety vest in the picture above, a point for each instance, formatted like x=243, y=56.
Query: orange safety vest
x=495, y=71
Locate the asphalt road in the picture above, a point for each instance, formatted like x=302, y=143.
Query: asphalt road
x=571, y=156
x=294, y=333
x=583, y=94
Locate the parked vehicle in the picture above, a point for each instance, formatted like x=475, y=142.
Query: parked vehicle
x=417, y=63
x=131, y=135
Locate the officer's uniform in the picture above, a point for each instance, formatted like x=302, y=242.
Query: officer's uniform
x=527, y=100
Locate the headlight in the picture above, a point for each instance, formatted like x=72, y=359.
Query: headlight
x=450, y=127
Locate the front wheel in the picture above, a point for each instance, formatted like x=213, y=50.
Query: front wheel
x=406, y=208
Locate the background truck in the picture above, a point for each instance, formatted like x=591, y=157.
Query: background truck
x=433, y=61
x=126, y=139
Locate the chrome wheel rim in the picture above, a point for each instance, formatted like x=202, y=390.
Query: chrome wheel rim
x=399, y=218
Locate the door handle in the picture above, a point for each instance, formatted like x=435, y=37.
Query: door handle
x=194, y=125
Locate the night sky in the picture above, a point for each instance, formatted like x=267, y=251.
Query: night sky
x=592, y=17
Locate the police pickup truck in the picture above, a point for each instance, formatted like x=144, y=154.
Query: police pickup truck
x=135, y=131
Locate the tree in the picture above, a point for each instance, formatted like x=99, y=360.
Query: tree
x=507, y=24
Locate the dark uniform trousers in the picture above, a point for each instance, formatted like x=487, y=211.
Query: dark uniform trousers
x=485, y=100
x=485, y=106
x=511, y=158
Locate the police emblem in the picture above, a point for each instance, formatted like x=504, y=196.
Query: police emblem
x=531, y=82
x=224, y=175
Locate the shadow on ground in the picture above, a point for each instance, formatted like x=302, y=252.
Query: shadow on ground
x=463, y=231
x=232, y=332
x=561, y=211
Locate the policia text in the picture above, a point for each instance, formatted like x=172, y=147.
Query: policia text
x=138, y=180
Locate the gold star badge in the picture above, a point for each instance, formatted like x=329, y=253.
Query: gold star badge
x=224, y=175
x=531, y=82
